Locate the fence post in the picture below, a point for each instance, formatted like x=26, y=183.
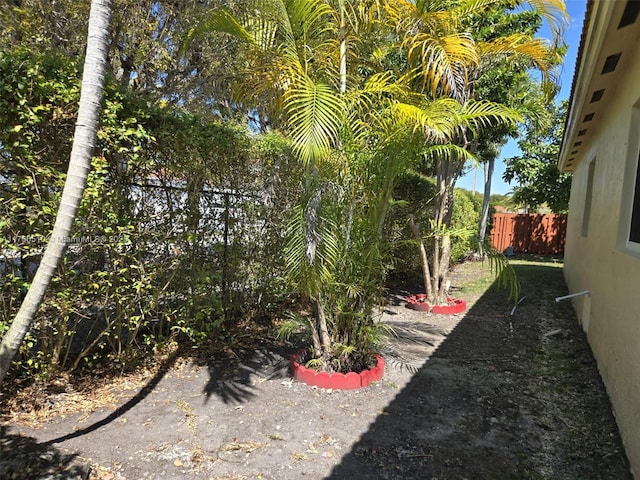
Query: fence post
x=225, y=256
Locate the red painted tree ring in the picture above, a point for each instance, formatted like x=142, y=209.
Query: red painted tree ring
x=455, y=306
x=418, y=302
x=336, y=381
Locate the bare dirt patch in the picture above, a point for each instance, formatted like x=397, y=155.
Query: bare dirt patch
x=490, y=396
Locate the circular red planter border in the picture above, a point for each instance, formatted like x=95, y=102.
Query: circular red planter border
x=417, y=302
x=455, y=306
x=336, y=381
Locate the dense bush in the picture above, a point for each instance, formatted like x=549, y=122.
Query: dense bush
x=180, y=228
x=466, y=215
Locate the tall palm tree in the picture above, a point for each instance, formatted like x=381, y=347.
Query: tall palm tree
x=445, y=60
x=301, y=70
x=79, y=166
x=348, y=118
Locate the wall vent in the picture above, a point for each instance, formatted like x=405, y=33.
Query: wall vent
x=597, y=95
x=630, y=14
x=611, y=63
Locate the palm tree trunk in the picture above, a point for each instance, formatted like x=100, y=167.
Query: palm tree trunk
x=443, y=275
x=488, y=173
x=424, y=260
x=79, y=166
x=343, y=49
x=446, y=179
x=321, y=328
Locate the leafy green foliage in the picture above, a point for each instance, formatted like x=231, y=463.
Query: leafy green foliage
x=194, y=215
x=536, y=172
x=466, y=214
x=179, y=230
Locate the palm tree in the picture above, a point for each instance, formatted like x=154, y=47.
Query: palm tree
x=79, y=166
x=302, y=70
x=353, y=122
x=446, y=61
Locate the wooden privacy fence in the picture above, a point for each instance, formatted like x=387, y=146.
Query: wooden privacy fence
x=529, y=233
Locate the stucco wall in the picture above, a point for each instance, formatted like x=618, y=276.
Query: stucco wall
x=596, y=262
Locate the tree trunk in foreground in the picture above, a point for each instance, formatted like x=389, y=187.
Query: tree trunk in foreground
x=424, y=260
x=79, y=166
x=484, y=219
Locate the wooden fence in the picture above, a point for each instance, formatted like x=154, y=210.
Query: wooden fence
x=529, y=233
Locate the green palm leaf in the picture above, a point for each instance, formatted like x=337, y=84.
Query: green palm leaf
x=312, y=250
x=443, y=61
x=449, y=152
x=220, y=21
x=483, y=114
x=314, y=114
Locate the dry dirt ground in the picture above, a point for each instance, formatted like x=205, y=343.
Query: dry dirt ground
x=495, y=394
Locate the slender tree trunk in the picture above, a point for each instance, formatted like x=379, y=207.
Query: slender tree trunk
x=446, y=176
x=445, y=259
x=443, y=275
x=426, y=275
x=442, y=181
x=343, y=49
x=488, y=173
x=79, y=166
x=322, y=328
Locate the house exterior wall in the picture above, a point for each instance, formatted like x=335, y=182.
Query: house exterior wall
x=596, y=259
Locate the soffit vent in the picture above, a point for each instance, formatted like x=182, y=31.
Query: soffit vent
x=630, y=14
x=597, y=96
x=611, y=63
x=588, y=117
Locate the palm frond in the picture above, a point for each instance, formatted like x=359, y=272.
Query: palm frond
x=518, y=47
x=399, y=348
x=312, y=249
x=294, y=323
x=219, y=21
x=474, y=7
x=444, y=61
x=449, y=152
x=314, y=114
x=484, y=114
x=301, y=25
x=505, y=274
x=439, y=119
x=553, y=11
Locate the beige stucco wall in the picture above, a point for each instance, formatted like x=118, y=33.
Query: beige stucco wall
x=611, y=313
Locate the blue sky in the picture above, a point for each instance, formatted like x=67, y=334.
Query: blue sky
x=575, y=9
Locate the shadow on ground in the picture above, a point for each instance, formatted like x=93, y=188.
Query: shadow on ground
x=232, y=381
x=121, y=410
x=24, y=458
x=503, y=397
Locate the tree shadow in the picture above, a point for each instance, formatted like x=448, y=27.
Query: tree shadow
x=166, y=365
x=22, y=457
x=406, y=346
x=237, y=382
x=498, y=399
